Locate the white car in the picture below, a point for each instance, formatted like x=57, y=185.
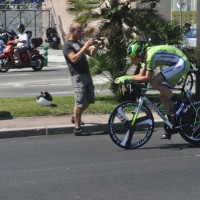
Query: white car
x=191, y=37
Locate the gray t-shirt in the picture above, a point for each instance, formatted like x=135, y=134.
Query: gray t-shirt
x=82, y=67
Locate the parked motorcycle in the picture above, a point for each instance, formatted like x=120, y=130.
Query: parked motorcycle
x=6, y=35
x=52, y=38
x=7, y=59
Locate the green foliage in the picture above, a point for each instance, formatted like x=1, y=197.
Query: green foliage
x=121, y=22
x=100, y=63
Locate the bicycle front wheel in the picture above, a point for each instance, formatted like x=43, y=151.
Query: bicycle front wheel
x=125, y=134
x=190, y=124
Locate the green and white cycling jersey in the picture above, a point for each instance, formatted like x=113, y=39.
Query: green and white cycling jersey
x=175, y=61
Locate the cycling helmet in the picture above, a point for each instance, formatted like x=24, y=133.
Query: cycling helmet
x=21, y=28
x=44, y=99
x=137, y=49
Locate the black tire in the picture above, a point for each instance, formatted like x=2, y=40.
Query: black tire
x=123, y=133
x=189, y=81
x=4, y=65
x=40, y=63
x=55, y=45
x=190, y=125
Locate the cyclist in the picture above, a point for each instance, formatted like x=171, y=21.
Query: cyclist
x=175, y=65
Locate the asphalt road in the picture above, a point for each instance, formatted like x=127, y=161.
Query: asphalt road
x=54, y=79
x=26, y=82
x=93, y=168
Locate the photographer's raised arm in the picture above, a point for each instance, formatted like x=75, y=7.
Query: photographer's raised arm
x=75, y=57
x=92, y=51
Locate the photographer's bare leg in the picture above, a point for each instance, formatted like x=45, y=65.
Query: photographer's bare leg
x=77, y=116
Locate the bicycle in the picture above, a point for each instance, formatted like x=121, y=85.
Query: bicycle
x=131, y=123
x=189, y=79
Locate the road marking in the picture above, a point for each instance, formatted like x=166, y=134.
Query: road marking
x=8, y=75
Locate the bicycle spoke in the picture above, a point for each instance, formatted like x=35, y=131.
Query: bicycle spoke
x=127, y=140
x=144, y=120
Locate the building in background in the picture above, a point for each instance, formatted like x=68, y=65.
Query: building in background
x=42, y=14
x=170, y=9
x=62, y=19
x=184, y=11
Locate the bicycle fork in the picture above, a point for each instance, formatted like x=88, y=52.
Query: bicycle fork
x=130, y=124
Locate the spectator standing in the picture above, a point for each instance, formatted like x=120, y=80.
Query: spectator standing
x=75, y=53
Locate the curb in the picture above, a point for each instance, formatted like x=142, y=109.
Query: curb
x=49, y=130
x=95, y=129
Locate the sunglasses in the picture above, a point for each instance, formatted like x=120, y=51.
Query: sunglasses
x=79, y=31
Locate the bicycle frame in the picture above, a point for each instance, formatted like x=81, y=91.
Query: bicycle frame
x=143, y=99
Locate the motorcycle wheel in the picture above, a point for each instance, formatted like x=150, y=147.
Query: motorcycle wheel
x=4, y=65
x=54, y=45
x=40, y=63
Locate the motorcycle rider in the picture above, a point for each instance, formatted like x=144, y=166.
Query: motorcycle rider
x=22, y=43
x=52, y=37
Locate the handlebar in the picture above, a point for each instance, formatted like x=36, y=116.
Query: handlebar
x=135, y=88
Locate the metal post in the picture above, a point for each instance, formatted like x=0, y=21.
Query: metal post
x=35, y=23
x=45, y=54
x=180, y=10
x=198, y=44
x=179, y=5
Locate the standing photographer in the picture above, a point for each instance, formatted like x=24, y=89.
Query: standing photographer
x=75, y=52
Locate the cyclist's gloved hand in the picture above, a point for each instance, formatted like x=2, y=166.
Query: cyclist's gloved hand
x=123, y=79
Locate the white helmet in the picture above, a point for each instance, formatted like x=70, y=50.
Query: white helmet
x=44, y=99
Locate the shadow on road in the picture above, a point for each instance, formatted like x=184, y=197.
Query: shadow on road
x=179, y=146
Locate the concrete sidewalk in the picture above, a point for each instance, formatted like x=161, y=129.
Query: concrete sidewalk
x=51, y=125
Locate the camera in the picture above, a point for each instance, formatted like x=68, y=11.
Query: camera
x=101, y=40
x=94, y=42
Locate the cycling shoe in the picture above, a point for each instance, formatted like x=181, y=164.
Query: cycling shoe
x=166, y=136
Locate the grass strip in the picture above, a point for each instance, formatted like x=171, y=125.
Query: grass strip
x=28, y=107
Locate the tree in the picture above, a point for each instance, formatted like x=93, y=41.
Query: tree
x=122, y=21
x=114, y=18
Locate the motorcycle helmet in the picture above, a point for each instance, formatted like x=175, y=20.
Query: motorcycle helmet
x=137, y=49
x=44, y=99
x=21, y=28
x=29, y=33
